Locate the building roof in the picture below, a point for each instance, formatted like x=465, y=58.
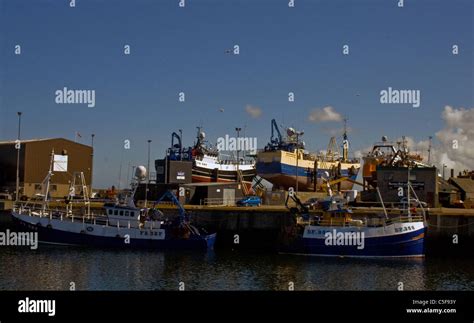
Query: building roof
x=445, y=187
x=23, y=141
x=465, y=184
x=9, y=142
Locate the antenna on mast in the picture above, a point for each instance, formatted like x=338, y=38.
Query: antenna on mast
x=345, y=128
x=345, y=143
x=429, y=150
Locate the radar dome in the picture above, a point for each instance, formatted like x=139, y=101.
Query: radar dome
x=325, y=175
x=202, y=135
x=290, y=132
x=140, y=172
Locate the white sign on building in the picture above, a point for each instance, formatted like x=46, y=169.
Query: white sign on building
x=60, y=163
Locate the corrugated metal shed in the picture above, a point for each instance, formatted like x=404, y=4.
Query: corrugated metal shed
x=35, y=156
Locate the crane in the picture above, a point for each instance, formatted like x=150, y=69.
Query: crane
x=276, y=139
x=168, y=194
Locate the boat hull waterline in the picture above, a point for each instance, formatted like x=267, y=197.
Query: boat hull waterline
x=66, y=232
x=394, y=240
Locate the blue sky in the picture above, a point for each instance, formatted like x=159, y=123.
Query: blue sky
x=177, y=49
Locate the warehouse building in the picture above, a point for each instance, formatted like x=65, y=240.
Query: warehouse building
x=392, y=181
x=448, y=194
x=70, y=158
x=173, y=171
x=466, y=190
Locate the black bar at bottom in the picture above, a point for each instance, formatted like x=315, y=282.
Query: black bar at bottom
x=290, y=305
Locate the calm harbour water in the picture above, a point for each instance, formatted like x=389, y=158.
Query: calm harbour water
x=54, y=267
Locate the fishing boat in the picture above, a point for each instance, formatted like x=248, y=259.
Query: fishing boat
x=122, y=225
x=284, y=161
x=208, y=163
x=387, y=153
x=335, y=232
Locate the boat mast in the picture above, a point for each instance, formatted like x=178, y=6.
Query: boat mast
x=383, y=204
x=419, y=203
x=408, y=190
x=85, y=193
x=48, y=181
x=345, y=143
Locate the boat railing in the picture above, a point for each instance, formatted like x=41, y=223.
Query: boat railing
x=50, y=213
x=366, y=222
x=84, y=218
x=406, y=218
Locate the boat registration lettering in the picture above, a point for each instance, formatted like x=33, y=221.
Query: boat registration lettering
x=315, y=232
x=405, y=228
x=151, y=233
x=321, y=232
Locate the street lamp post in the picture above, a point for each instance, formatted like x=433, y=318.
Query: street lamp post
x=181, y=141
x=18, y=147
x=92, y=157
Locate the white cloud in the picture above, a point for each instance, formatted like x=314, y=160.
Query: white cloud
x=254, y=112
x=456, y=139
x=458, y=126
x=325, y=114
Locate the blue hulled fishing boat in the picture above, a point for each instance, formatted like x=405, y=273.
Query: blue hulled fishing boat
x=335, y=232
x=122, y=225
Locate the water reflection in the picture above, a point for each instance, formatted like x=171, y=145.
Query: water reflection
x=54, y=268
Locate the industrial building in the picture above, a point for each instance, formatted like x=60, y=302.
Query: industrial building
x=70, y=158
x=391, y=180
x=173, y=171
x=448, y=194
x=466, y=190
